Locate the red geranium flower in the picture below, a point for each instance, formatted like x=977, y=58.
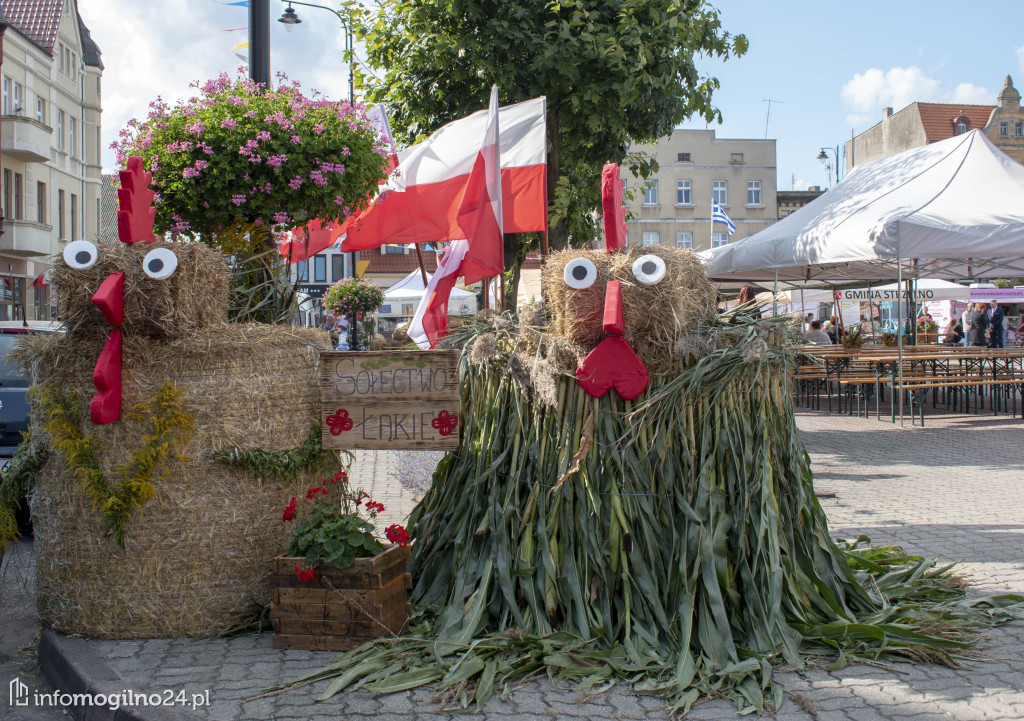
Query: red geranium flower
x=374, y=507
x=397, y=534
x=315, y=492
x=305, y=573
x=289, y=511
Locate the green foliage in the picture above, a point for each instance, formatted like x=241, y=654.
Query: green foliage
x=286, y=466
x=1002, y=283
x=352, y=295
x=15, y=483
x=613, y=71
x=269, y=155
x=170, y=427
x=333, y=537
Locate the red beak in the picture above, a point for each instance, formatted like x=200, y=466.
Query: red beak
x=109, y=298
x=613, y=322
x=106, y=376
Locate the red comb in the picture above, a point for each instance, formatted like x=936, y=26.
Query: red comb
x=135, y=199
x=611, y=204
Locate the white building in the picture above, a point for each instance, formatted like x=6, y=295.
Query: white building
x=50, y=145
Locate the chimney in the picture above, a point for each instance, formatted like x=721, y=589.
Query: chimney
x=886, y=113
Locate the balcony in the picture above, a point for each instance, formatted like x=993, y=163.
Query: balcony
x=25, y=139
x=25, y=238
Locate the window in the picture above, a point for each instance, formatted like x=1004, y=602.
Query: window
x=683, y=196
x=60, y=215
x=651, y=239
x=19, y=197
x=7, y=96
x=41, y=110
x=40, y=202
x=302, y=271
x=651, y=193
x=719, y=192
x=18, y=94
x=1018, y=129
x=682, y=157
x=73, y=137
x=735, y=157
x=719, y=239
x=12, y=304
x=337, y=267
x=684, y=241
x=1004, y=128
x=753, y=192
x=7, y=193
x=41, y=300
x=63, y=58
x=60, y=130
x=392, y=249
x=961, y=127
x=74, y=217
x=319, y=269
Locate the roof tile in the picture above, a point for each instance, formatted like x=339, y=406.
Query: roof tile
x=937, y=118
x=36, y=19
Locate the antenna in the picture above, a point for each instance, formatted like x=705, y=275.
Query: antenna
x=768, y=114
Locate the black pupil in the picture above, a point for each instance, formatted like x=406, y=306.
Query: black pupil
x=579, y=272
x=82, y=257
x=156, y=265
x=649, y=267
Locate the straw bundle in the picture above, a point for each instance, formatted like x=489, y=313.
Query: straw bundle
x=194, y=296
x=654, y=315
x=197, y=552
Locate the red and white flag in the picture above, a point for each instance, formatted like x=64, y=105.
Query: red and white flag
x=378, y=118
x=422, y=201
x=481, y=253
x=43, y=280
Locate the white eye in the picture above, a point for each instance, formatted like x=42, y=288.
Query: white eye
x=649, y=269
x=160, y=263
x=580, y=273
x=80, y=254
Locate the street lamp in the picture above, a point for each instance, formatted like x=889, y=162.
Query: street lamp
x=823, y=157
x=290, y=19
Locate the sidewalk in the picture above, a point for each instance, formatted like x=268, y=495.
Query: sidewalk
x=950, y=489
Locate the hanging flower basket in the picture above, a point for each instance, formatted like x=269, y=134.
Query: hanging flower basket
x=353, y=295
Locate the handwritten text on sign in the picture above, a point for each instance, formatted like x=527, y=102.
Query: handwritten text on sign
x=399, y=400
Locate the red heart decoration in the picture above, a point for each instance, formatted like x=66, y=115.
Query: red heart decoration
x=613, y=364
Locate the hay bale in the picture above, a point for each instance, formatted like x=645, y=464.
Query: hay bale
x=194, y=296
x=197, y=553
x=655, y=315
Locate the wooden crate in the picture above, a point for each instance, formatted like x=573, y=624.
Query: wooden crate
x=340, y=609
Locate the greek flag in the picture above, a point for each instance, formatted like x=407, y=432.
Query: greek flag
x=720, y=216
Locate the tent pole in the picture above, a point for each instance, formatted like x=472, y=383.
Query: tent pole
x=501, y=304
x=899, y=319
x=775, y=293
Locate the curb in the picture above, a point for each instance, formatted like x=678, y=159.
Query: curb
x=73, y=667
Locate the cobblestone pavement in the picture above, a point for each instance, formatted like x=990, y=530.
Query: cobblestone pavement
x=951, y=489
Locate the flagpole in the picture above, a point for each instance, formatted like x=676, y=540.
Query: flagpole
x=419, y=259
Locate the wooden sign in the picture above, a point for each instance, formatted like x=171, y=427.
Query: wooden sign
x=390, y=400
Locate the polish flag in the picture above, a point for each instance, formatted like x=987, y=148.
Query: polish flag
x=43, y=280
x=314, y=237
x=422, y=201
x=378, y=118
x=481, y=253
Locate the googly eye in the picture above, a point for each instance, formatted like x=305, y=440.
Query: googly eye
x=160, y=263
x=580, y=273
x=649, y=269
x=80, y=254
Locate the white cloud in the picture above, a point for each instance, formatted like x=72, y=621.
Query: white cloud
x=800, y=184
x=868, y=92
x=151, y=49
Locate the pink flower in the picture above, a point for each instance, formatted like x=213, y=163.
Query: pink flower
x=200, y=165
x=236, y=101
x=238, y=199
x=189, y=173
x=318, y=128
x=295, y=183
x=229, y=122
x=296, y=139
x=338, y=200
x=263, y=135
x=277, y=160
x=195, y=128
x=281, y=217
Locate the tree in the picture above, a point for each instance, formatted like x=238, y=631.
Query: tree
x=614, y=72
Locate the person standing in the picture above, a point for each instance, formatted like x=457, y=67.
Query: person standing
x=995, y=317
x=965, y=320
x=747, y=295
x=979, y=324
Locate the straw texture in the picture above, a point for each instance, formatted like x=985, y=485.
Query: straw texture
x=197, y=552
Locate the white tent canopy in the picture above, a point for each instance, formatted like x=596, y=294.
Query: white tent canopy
x=411, y=289
x=952, y=209
x=925, y=289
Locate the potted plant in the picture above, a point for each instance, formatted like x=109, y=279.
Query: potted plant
x=358, y=300
x=339, y=586
x=927, y=330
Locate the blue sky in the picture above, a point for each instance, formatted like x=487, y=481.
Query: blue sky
x=834, y=65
